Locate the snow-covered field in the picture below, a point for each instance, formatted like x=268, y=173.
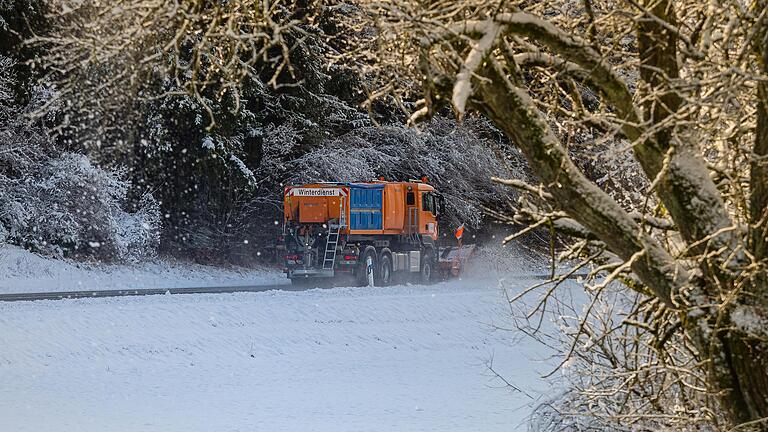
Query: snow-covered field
x=22, y=271
x=404, y=358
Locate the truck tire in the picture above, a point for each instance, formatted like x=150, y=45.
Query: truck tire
x=427, y=268
x=361, y=277
x=384, y=276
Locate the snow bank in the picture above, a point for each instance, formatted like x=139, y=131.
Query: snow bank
x=405, y=358
x=23, y=271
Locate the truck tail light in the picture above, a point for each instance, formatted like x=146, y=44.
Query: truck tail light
x=350, y=257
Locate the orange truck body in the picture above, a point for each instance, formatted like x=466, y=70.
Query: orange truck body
x=375, y=231
x=373, y=208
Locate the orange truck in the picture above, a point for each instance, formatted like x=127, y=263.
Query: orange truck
x=376, y=232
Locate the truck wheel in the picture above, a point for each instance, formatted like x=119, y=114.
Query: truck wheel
x=384, y=276
x=425, y=276
x=361, y=276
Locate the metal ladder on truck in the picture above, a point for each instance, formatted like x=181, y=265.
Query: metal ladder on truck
x=332, y=240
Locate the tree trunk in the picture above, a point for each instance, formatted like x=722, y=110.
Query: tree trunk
x=737, y=362
x=748, y=362
x=749, y=356
x=660, y=71
x=759, y=165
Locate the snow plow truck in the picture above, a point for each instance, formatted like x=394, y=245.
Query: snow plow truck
x=375, y=232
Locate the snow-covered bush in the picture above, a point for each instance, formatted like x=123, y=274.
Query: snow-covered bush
x=60, y=204
x=71, y=206
x=68, y=206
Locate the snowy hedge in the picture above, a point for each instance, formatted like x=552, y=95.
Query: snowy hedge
x=70, y=207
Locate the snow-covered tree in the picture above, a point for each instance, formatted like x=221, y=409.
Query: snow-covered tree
x=103, y=58
x=220, y=186
x=193, y=122
x=59, y=203
x=682, y=85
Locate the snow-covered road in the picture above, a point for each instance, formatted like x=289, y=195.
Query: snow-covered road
x=405, y=358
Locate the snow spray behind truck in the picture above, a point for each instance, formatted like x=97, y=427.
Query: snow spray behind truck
x=373, y=231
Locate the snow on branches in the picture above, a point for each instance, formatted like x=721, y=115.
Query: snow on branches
x=462, y=88
x=682, y=86
x=59, y=203
x=102, y=56
x=69, y=207
x=6, y=95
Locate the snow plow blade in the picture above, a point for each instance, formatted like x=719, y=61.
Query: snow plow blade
x=453, y=260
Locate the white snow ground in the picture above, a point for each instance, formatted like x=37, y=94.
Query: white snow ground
x=22, y=271
x=404, y=358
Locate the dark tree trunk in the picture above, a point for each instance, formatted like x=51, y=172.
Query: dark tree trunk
x=749, y=356
x=759, y=166
x=748, y=361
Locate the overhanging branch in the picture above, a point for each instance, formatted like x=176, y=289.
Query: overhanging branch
x=513, y=111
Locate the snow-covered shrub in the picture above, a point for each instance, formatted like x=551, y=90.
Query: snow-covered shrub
x=60, y=204
x=70, y=207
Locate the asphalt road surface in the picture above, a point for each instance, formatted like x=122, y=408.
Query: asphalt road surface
x=63, y=295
